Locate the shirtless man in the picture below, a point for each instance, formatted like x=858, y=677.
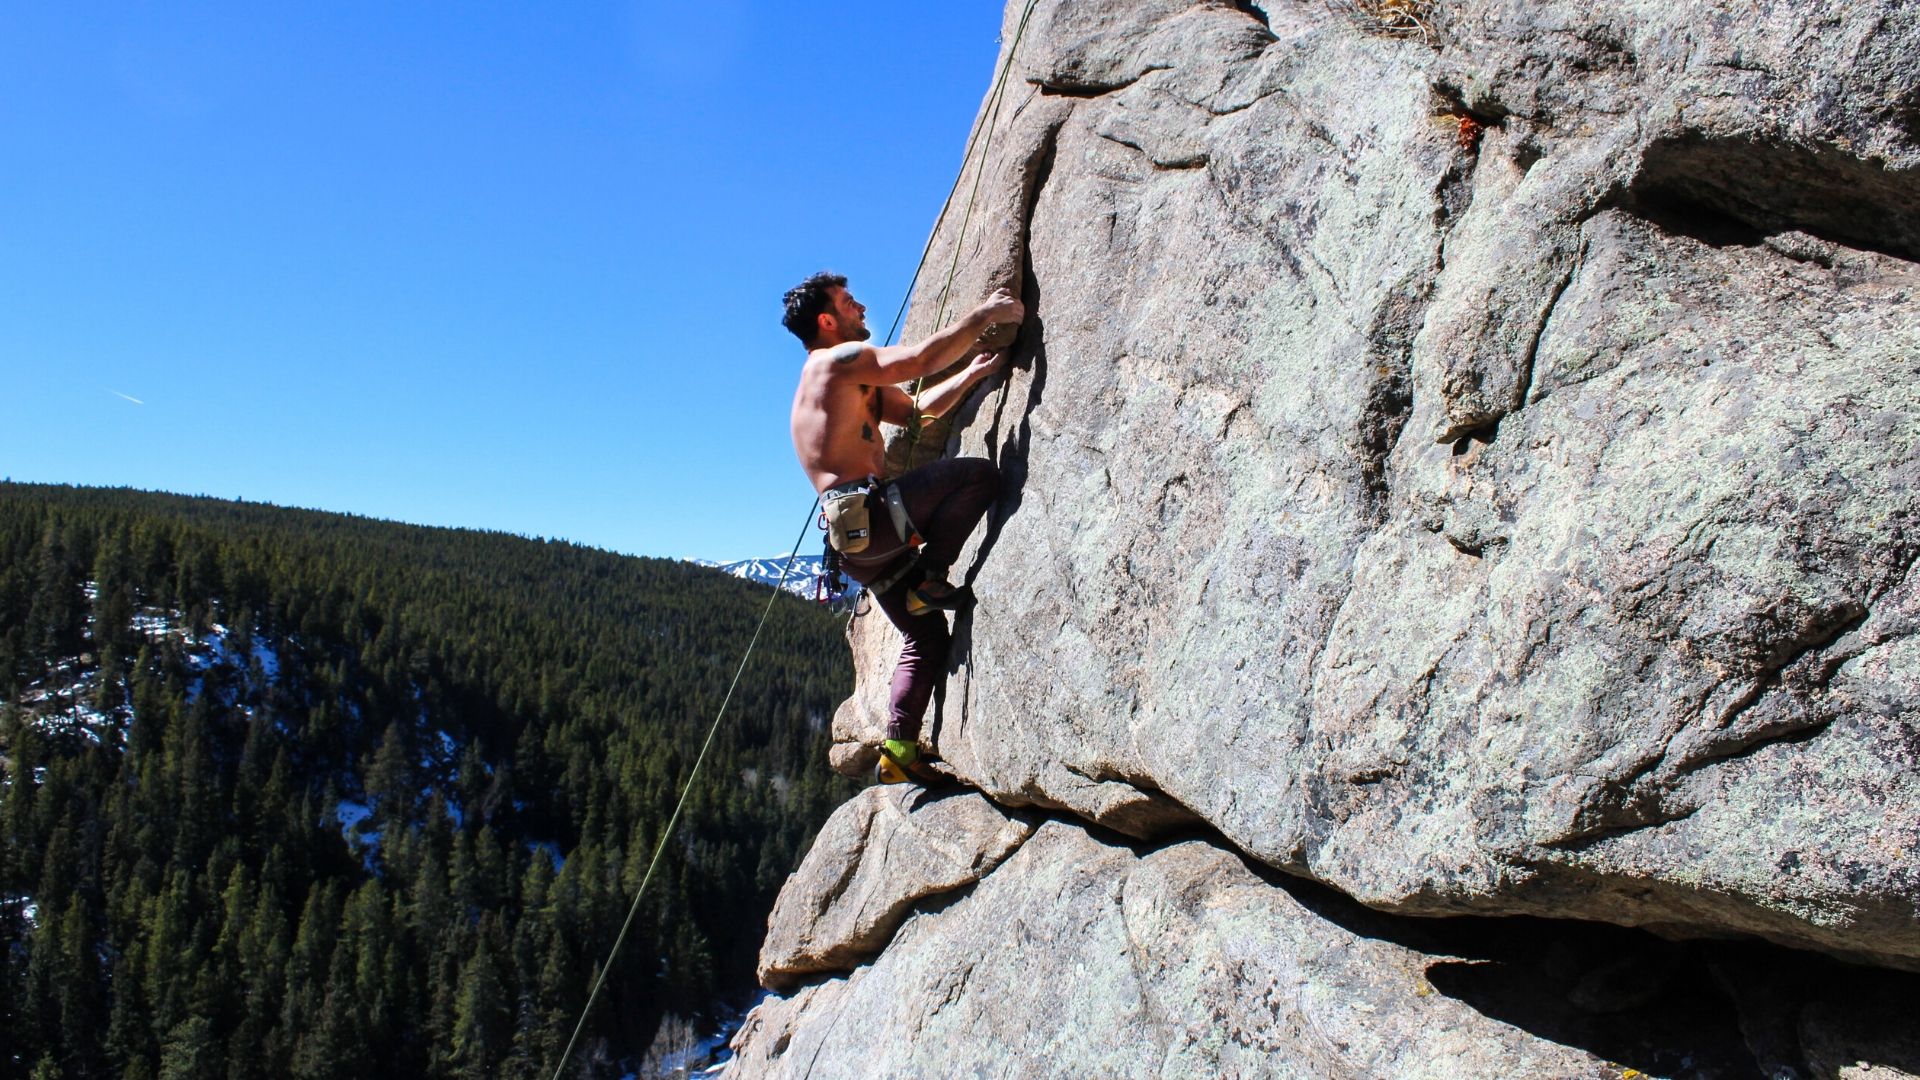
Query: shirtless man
x=847, y=388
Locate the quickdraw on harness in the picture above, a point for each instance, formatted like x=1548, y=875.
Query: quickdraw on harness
x=830, y=584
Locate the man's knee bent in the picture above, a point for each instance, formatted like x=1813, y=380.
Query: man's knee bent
x=978, y=472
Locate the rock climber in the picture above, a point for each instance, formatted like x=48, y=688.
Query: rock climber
x=897, y=537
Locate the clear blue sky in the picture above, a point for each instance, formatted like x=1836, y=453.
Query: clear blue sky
x=505, y=266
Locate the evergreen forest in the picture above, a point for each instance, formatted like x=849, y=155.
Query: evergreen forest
x=297, y=794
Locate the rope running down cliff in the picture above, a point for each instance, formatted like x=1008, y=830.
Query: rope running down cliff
x=960, y=241
x=913, y=435
x=667, y=833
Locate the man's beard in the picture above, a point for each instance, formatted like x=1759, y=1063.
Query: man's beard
x=860, y=334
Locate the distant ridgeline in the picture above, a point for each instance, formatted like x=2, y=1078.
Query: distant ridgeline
x=286, y=793
x=798, y=577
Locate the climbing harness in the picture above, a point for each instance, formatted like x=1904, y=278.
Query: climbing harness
x=898, y=575
x=897, y=511
x=847, y=520
x=847, y=517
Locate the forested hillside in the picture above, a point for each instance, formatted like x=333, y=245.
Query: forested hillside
x=286, y=793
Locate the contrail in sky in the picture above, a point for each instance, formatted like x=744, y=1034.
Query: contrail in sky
x=118, y=394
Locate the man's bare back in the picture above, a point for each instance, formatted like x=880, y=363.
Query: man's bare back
x=836, y=421
x=847, y=386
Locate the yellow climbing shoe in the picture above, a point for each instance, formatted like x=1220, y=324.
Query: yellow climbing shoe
x=937, y=596
x=908, y=767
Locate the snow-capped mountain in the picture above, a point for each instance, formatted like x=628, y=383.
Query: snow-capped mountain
x=799, y=579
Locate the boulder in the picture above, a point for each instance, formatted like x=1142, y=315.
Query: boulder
x=879, y=853
x=1084, y=956
x=1471, y=464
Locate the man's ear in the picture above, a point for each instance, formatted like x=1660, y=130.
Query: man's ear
x=823, y=323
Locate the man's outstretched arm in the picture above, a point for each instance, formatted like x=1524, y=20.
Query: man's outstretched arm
x=950, y=392
x=891, y=365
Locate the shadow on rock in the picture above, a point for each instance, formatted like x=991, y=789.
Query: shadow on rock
x=1635, y=1000
x=1666, y=1008
x=1011, y=458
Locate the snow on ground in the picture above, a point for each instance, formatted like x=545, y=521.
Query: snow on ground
x=209, y=651
x=25, y=905
x=58, y=673
x=63, y=707
x=267, y=658
x=60, y=698
x=350, y=813
x=714, y=1047
x=78, y=720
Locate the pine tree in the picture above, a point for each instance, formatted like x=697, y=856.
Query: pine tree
x=113, y=601
x=130, y=1044
x=481, y=1013
x=56, y=617
x=390, y=783
x=192, y=1052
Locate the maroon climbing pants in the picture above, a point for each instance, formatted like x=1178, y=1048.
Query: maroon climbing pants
x=944, y=500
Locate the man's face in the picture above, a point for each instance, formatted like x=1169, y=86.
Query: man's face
x=850, y=316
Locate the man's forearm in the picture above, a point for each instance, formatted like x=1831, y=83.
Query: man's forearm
x=950, y=392
x=939, y=351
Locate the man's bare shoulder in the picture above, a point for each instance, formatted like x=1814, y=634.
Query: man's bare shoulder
x=837, y=356
x=838, y=366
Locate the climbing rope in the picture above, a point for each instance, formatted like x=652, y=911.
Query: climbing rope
x=960, y=241
x=913, y=437
x=667, y=833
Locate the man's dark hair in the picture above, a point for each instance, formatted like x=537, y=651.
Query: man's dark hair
x=807, y=301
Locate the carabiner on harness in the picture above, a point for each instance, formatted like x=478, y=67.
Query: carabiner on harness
x=830, y=584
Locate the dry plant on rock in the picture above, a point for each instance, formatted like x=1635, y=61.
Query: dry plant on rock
x=1393, y=18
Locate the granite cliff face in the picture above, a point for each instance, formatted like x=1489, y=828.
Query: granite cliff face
x=1473, y=470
